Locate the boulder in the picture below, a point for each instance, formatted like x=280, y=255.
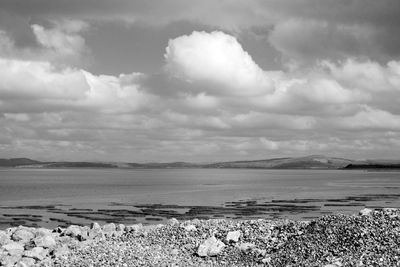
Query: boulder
x=73, y=231
x=245, y=246
x=60, y=251
x=172, y=221
x=22, y=235
x=14, y=248
x=233, y=236
x=10, y=260
x=190, y=227
x=366, y=212
x=94, y=230
x=37, y=253
x=46, y=241
x=25, y=262
x=4, y=238
x=109, y=229
x=210, y=247
x=133, y=227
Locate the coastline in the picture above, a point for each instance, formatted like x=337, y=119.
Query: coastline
x=369, y=238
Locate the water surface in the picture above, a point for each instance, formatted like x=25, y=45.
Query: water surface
x=51, y=197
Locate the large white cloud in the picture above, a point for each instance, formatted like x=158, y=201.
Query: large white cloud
x=216, y=58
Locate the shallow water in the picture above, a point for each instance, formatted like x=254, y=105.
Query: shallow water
x=63, y=196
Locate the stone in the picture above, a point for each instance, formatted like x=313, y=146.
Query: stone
x=14, y=248
x=95, y=231
x=73, y=231
x=109, y=228
x=172, y=221
x=4, y=238
x=9, y=261
x=25, y=262
x=245, y=246
x=60, y=251
x=46, y=241
x=210, y=247
x=120, y=227
x=266, y=260
x=133, y=227
x=190, y=227
x=37, y=253
x=366, y=212
x=233, y=236
x=22, y=235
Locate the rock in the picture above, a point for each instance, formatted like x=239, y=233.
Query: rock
x=46, y=241
x=25, y=262
x=190, y=227
x=120, y=227
x=133, y=227
x=60, y=251
x=172, y=221
x=233, y=236
x=37, y=253
x=109, y=229
x=174, y=252
x=14, y=248
x=95, y=230
x=73, y=231
x=22, y=235
x=210, y=247
x=245, y=246
x=9, y=261
x=266, y=260
x=366, y=212
x=4, y=238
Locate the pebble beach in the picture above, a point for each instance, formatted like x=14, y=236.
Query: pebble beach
x=370, y=238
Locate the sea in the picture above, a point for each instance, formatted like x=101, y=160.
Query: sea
x=60, y=197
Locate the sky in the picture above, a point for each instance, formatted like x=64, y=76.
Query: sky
x=199, y=81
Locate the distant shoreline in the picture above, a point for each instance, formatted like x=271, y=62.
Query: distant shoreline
x=297, y=163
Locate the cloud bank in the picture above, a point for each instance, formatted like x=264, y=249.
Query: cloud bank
x=336, y=91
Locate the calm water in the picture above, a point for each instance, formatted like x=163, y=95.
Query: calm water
x=94, y=189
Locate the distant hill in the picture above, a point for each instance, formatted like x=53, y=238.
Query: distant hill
x=17, y=162
x=308, y=162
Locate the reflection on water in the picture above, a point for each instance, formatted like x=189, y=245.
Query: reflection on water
x=51, y=197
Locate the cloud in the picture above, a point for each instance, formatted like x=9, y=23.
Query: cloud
x=211, y=101
x=60, y=43
x=218, y=59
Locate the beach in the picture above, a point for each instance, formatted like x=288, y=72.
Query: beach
x=369, y=238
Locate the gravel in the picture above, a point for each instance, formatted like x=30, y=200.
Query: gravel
x=369, y=239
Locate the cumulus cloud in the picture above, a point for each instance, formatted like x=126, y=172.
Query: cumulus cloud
x=216, y=58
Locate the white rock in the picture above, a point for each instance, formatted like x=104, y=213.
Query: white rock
x=73, y=231
x=9, y=261
x=61, y=251
x=37, y=253
x=233, y=236
x=25, y=262
x=366, y=212
x=190, y=227
x=210, y=247
x=4, y=238
x=46, y=241
x=245, y=246
x=14, y=248
x=23, y=235
x=109, y=228
x=133, y=227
